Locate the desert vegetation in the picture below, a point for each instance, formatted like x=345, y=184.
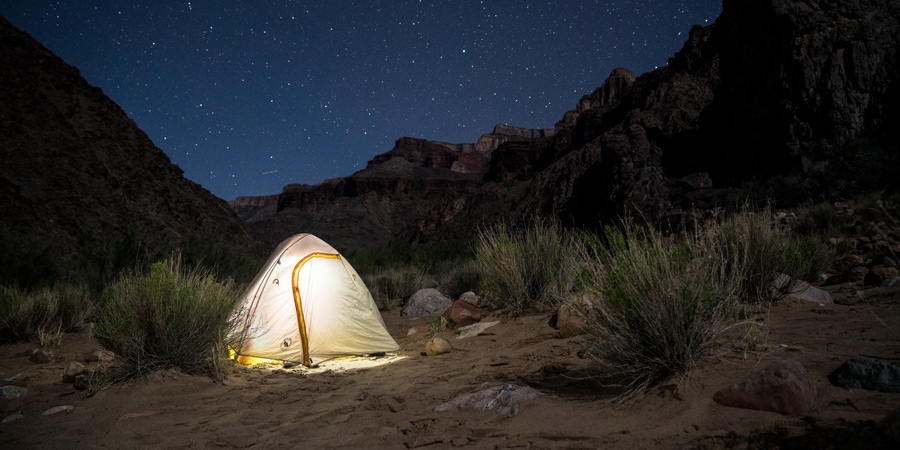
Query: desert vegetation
x=173, y=316
x=654, y=300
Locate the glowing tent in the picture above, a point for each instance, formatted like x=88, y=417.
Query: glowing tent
x=307, y=302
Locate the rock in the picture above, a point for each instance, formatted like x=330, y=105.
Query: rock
x=437, y=346
x=802, y=290
x=101, y=355
x=569, y=321
x=80, y=382
x=697, y=180
x=462, y=313
x=853, y=275
x=84, y=330
x=877, y=275
x=58, y=409
x=502, y=399
x=867, y=373
x=783, y=387
x=144, y=413
x=11, y=392
x=12, y=417
x=426, y=302
x=41, y=356
x=891, y=425
x=109, y=181
x=474, y=330
x=852, y=260
x=72, y=370
x=470, y=297
x=418, y=329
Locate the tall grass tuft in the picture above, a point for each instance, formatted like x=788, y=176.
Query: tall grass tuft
x=658, y=304
x=527, y=269
x=753, y=246
x=391, y=287
x=44, y=312
x=659, y=301
x=170, y=317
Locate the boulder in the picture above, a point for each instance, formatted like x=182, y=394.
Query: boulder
x=784, y=387
x=462, y=313
x=867, y=373
x=802, y=290
x=426, y=302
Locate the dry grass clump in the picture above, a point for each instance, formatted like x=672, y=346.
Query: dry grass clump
x=525, y=269
x=658, y=304
x=753, y=246
x=43, y=314
x=659, y=301
x=390, y=287
x=170, y=317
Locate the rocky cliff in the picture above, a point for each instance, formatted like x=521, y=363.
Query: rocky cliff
x=79, y=180
x=774, y=90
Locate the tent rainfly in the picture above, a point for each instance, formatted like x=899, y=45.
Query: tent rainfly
x=306, y=302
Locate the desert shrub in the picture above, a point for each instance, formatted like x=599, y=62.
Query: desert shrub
x=458, y=278
x=754, y=247
x=44, y=312
x=390, y=287
x=528, y=268
x=818, y=219
x=658, y=303
x=170, y=317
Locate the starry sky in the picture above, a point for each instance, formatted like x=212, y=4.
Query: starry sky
x=248, y=96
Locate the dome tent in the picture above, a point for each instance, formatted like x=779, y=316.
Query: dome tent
x=306, y=302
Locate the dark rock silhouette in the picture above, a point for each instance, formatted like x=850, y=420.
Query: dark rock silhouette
x=79, y=180
x=774, y=88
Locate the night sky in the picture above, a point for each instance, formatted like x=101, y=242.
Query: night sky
x=248, y=98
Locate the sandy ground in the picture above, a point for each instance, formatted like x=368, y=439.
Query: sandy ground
x=391, y=402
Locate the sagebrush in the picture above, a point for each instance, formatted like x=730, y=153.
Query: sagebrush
x=170, y=317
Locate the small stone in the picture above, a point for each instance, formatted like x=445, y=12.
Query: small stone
x=58, y=409
x=80, y=382
x=72, y=370
x=101, y=355
x=12, y=417
x=418, y=329
x=10, y=392
x=84, y=330
x=470, y=297
x=569, y=319
x=867, y=373
x=41, y=357
x=475, y=329
x=437, y=346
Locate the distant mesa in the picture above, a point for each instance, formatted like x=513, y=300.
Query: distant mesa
x=463, y=158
